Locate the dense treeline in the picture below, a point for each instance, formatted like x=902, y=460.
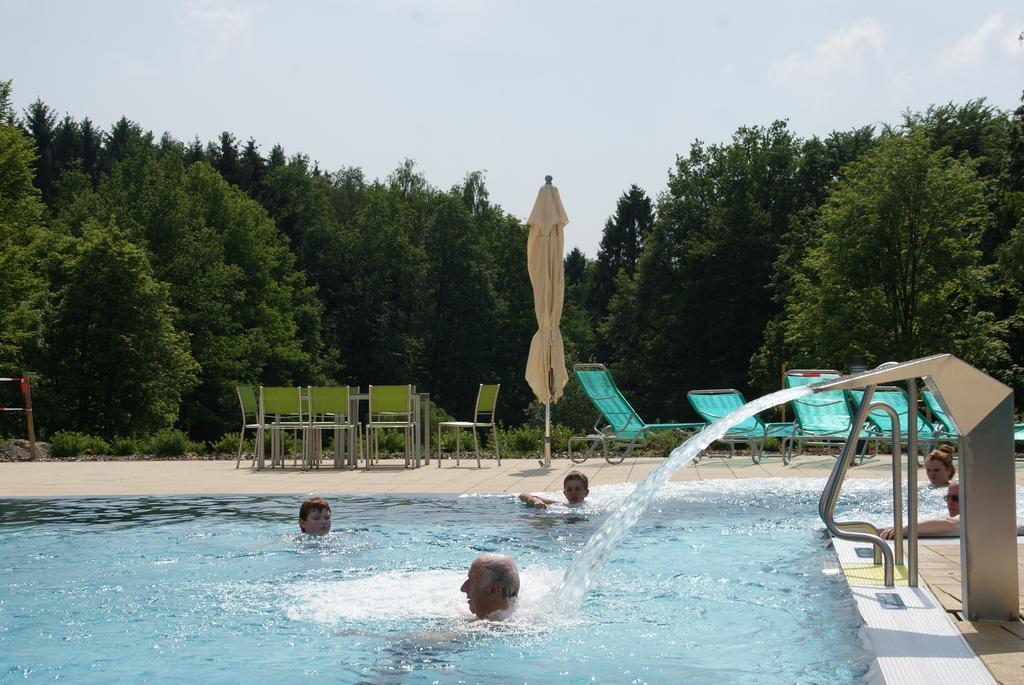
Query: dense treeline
x=144, y=277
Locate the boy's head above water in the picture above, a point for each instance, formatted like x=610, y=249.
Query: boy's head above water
x=315, y=516
x=575, y=487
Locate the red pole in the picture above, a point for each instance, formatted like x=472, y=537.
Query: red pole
x=26, y=390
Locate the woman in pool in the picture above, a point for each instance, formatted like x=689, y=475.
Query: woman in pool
x=939, y=466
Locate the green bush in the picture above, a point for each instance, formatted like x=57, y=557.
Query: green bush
x=228, y=444
x=522, y=440
x=559, y=438
x=73, y=443
x=391, y=441
x=528, y=441
x=124, y=446
x=661, y=443
x=171, y=442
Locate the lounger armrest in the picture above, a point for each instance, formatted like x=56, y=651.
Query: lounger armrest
x=779, y=429
x=698, y=426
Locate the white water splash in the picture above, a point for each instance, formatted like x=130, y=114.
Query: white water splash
x=589, y=562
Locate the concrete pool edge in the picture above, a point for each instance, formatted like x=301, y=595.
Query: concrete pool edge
x=915, y=638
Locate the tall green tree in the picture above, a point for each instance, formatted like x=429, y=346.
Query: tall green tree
x=898, y=272
x=23, y=290
x=1010, y=214
x=41, y=123
x=819, y=167
x=621, y=245
x=461, y=324
x=112, y=353
x=234, y=284
x=700, y=300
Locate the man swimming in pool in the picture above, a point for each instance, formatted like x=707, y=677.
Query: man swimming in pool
x=575, y=487
x=492, y=586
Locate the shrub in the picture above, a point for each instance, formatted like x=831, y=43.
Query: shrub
x=73, y=443
x=228, y=444
x=124, y=446
x=171, y=442
x=661, y=443
x=559, y=438
x=391, y=441
x=522, y=440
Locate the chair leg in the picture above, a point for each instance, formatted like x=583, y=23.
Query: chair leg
x=370, y=430
x=241, y=441
x=409, y=445
x=257, y=448
x=366, y=452
x=476, y=443
x=497, y=452
x=438, y=445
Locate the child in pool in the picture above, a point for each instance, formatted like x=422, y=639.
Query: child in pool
x=315, y=516
x=575, y=487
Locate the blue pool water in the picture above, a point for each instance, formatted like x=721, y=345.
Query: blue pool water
x=720, y=582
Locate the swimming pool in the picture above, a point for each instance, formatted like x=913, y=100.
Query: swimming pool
x=720, y=582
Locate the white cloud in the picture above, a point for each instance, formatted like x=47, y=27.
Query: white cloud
x=849, y=49
x=219, y=28
x=994, y=36
x=1011, y=41
x=971, y=48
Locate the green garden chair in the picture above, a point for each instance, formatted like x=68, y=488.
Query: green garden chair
x=250, y=418
x=280, y=409
x=714, y=404
x=390, y=408
x=618, y=425
x=329, y=411
x=483, y=417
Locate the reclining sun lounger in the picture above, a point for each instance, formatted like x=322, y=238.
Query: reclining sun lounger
x=618, y=426
x=714, y=404
x=822, y=418
x=944, y=427
x=896, y=398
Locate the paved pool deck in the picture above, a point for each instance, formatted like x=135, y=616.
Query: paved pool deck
x=51, y=478
x=1000, y=646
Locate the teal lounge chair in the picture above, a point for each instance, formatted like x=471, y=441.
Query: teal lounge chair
x=942, y=424
x=945, y=429
x=714, y=404
x=618, y=426
x=896, y=398
x=822, y=418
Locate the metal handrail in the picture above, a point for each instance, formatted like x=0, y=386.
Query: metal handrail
x=848, y=530
x=830, y=495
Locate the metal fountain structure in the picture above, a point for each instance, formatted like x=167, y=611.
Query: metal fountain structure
x=982, y=409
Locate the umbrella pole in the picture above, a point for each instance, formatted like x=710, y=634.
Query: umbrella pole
x=547, y=435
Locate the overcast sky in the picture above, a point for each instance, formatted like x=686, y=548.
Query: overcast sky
x=599, y=94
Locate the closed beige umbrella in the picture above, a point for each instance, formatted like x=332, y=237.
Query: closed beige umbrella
x=545, y=367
